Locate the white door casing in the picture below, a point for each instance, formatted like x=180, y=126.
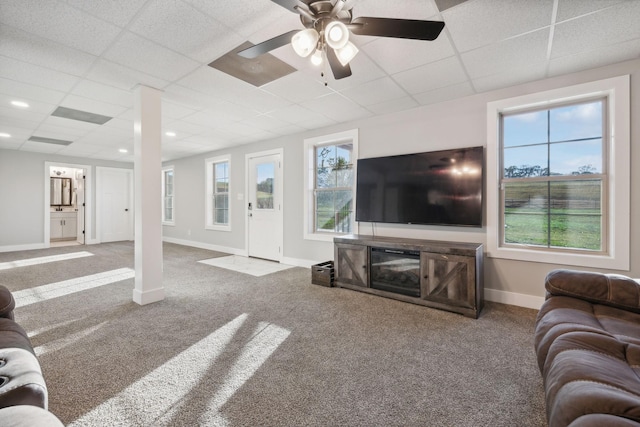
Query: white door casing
x=80, y=201
x=114, y=204
x=264, y=205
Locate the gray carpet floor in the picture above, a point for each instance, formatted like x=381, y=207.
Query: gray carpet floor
x=229, y=349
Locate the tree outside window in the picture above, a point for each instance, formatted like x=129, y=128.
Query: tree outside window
x=334, y=188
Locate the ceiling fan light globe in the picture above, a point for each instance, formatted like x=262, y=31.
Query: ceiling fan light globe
x=347, y=53
x=316, y=58
x=336, y=34
x=304, y=42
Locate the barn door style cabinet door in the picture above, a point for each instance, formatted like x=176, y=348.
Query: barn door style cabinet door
x=444, y=275
x=351, y=265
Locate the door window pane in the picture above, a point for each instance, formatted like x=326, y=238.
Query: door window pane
x=265, y=175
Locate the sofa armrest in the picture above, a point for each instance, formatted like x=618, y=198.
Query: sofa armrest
x=7, y=303
x=614, y=290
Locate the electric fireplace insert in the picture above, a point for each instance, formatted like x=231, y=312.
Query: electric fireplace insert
x=395, y=270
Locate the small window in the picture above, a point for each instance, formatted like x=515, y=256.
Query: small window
x=218, y=190
x=330, y=197
x=168, y=196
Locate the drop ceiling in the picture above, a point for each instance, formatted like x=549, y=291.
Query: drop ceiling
x=88, y=56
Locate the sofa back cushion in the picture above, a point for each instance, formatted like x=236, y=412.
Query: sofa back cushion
x=614, y=290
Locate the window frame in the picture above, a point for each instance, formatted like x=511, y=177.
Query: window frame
x=172, y=221
x=210, y=164
x=310, y=145
x=616, y=166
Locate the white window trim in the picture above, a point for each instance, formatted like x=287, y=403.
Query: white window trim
x=173, y=207
x=617, y=90
x=209, y=162
x=309, y=144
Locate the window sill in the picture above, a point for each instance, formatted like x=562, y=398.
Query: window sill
x=218, y=227
x=572, y=259
x=322, y=237
x=172, y=224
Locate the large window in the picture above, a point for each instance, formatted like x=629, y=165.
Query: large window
x=558, y=176
x=554, y=179
x=330, y=185
x=218, y=190
x=167, y=196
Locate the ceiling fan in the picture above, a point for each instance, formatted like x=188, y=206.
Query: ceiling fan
x=328, y=24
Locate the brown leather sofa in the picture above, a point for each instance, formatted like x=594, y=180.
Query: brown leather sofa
x=587, y=342
x=23, y=392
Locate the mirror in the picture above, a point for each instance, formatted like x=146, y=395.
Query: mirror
x=60, y=191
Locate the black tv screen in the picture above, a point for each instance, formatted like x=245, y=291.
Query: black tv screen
x=436, y=188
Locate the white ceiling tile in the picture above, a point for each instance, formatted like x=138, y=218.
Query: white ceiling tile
x=595, y=58
x=60, y=132
x=114, y=11
x=395, y=55
x=244, y=18
x=40, y=147
x=189, y=98
x=182, y=128
x=120, y=123
x=390, y=9
x=29, y=92
x=60, y=22
x=223, y=112
x=393, y=106
x=459, y=90
x=33, y=49
x=173, y=111
x=17, y=133
x=431, y=76
x=264, y=122
x=336, y=107
x=27, y=125
x=318, y=121
x=92, y=106
x=100, y=92
x=375, y=92
x=611, y=26
x=9, y=144
x=80, y=149
x=25, y=72
x=77, y=125
x=568, y=9
x=143, y=55
x=507, y=54
x=182, y=28
x=294, y=114
x=120, y=76
x=296, y=87
x=511, y=77
x=481, y=22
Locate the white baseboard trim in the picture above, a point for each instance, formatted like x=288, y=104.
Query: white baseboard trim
x=512, y=298
x=208, y=246
x=296, y=262
x=28, y=247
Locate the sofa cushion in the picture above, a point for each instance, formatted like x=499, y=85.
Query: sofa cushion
x=7, y=303
x=21, y=380
x=28, y=416
x=609, y=289
x=12, y=335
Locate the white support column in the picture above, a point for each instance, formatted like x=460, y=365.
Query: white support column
x=148, y=201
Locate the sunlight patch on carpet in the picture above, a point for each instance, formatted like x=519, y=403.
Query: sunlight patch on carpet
x=54, y=290
x=43, y=260
x=241, y=264
x=158, y=398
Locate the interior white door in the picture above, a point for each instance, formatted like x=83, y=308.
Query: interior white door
x=265, y=207
x=80, y=185
x=115, y=204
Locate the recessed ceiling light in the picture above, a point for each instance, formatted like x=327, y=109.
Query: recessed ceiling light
x=170, y=133
x=123, y=150
x=4, y=135
x=20, y=104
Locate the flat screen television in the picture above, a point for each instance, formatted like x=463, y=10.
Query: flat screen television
x=434, y=188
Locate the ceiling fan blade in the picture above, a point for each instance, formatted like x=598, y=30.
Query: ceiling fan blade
x=339, y=71
x=399, y=28
x=337, y=8
x=266, y=46
x=290, y=5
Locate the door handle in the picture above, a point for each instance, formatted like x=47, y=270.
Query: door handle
x=250, y=214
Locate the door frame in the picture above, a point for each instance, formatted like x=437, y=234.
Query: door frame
x=279, y=191
x=88, y=224
x=99, y=189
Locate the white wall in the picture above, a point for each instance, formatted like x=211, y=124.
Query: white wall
x=457, y=123
x=22, y=177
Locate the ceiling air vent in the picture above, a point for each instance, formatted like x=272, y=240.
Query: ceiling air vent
x=49, y=140
x=83, y=116
x=258, y=71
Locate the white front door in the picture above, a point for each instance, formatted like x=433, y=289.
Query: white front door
x=115, y=205
x=264, y=206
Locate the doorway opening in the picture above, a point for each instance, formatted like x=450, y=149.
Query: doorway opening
x=65, y=206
